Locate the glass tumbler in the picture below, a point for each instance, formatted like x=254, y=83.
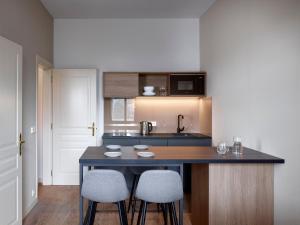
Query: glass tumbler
x=237, y=147
x=222, y=148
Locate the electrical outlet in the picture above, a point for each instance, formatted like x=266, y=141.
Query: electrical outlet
x=32, y=193
x=153, y=123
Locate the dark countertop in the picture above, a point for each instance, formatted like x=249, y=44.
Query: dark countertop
x=157, y=135
x=175, y=155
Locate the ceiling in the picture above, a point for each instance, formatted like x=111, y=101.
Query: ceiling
x=127, y=8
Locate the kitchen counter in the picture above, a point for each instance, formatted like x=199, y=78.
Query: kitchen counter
x=229, y=187
x=178, y=154
x=156, y=135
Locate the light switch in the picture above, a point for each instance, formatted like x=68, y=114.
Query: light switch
x=32, y=130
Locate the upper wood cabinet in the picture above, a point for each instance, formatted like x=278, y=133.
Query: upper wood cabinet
x=131, y=85
x=121, y=85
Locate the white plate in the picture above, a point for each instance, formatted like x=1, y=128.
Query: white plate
x=112, y=154
x=141, y=147
x=149, y=93
x=113, y=147
x=145, y=154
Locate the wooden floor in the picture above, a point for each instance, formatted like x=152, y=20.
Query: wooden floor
x=59, y=205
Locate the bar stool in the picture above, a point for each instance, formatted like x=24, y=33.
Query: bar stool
x=105, y=186
x=159, y=186
x=136, y=171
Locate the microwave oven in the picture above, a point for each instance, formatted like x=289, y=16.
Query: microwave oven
x=187, y=84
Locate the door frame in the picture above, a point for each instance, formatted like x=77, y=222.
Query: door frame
x=47, y=180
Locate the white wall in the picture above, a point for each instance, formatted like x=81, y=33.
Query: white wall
x=251, y=51
x=126, y=45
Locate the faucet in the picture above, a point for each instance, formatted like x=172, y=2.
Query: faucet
x=179, y=117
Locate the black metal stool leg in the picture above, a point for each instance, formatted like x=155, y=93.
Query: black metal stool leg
x=92, y=213
x=140, y=213
x=145, y=204
x=174, y=213
x=171, y=213
x=123, y=204
x=134, y=182
x=165, y=213
x=88, y=214
x=133, y=210
x=122, y=213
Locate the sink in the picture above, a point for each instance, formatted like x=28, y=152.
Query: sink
x=182, y=134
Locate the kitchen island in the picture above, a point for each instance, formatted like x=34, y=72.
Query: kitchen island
x=226, y=190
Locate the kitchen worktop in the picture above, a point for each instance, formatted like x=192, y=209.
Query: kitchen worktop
x=179, y=154
x=156, y=135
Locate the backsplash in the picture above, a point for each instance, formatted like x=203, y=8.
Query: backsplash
x=163, y=111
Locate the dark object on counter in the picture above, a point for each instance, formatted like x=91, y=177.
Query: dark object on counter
x=179, y=119
x=145, y=127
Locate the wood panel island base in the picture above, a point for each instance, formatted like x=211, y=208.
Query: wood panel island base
x=232, y=194
x=226, y=190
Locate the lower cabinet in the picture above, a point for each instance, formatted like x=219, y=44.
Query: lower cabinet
x=135, y=141
x=157, y=141
x=189, y=142
x=120, y=141
x=154, y=141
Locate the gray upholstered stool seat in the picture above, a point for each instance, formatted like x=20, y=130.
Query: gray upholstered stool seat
x=159, y=186
x=105, y=186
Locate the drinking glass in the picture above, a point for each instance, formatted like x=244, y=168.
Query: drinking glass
x=237, y=147
x=162, y=91
x=222, y=148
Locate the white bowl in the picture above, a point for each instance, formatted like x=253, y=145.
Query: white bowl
x=149, y=88
x=113, y=154
x=141, y=147
x=145, y=154
x=113, y=147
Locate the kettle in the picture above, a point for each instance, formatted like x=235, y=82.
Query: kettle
x=145, y=127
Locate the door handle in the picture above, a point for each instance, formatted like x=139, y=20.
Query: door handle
x=93, y=128
x=21, y=142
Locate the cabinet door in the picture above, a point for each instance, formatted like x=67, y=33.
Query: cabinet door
x=154, y=142
x=120, y=141
x=189, y=142
x=121, y=85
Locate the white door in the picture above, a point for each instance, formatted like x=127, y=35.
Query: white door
x=74, y=116
x=10, y=129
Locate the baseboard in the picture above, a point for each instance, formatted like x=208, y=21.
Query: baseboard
x=26, y=211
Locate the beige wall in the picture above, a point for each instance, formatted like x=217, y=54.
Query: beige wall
x=205, y=116
x=27, y=23
x=251, y=51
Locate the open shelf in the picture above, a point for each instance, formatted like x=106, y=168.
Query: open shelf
x=157, y=80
